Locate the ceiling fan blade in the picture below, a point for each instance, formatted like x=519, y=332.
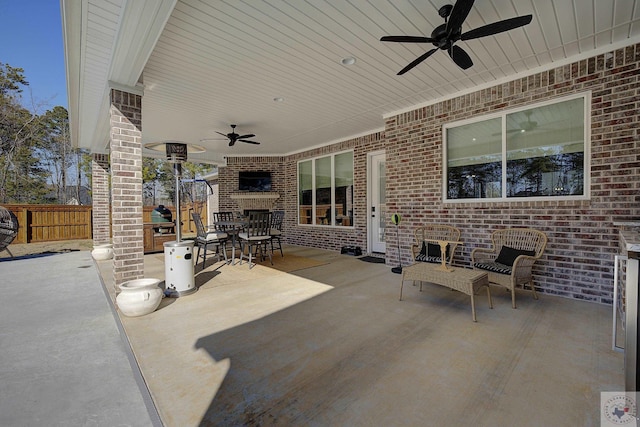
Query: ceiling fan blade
x=459, y=13
x=407, y=39
x=460, y=57
x=223, y=134
x=249, y=135
x=232, y=143
x=497, y=27
x=249, y=142
x=417, y=61
x=509, y=131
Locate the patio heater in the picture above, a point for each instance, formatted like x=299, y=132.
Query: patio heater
x=178, y=255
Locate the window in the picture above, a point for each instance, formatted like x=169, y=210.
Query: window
x=325, y=190
x=538, y=152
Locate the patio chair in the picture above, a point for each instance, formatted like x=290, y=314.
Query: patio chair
x=227, y=222
x=223, y=217
x=256, y=236
x=8, y=229
x=205, y=238
x=276, y=230
x=511, y=258
x=426, y=247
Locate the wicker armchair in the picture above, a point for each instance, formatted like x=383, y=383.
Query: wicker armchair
x=510, y=260
x=426, y=247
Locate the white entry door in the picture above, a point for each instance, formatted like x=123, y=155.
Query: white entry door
x=377, y=199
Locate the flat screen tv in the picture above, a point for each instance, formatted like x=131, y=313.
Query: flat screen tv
x=254, y=181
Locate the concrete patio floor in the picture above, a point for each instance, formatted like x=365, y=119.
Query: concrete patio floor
x=64, y=360
x=331, y=345
x=328, y=345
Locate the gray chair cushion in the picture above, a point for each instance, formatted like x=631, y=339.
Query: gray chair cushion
x=245, y=236
x=213, y=235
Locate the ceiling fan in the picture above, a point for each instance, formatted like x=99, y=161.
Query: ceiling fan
x=446, y=35
x=523, y=127
x=234, y=137
x=527, y=125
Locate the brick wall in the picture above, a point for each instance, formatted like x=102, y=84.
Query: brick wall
x=101, y=220
x=126, y=186
x=228, y=178
x=284, y=175
x=333, y=238
x=578, y=262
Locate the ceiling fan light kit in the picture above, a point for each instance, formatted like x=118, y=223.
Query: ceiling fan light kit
x=445, y=36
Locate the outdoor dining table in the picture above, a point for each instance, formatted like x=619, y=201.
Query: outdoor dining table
x=232, y=228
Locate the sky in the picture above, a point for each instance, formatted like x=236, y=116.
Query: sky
x=31, y=39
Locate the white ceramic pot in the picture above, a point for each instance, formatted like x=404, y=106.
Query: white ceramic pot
x=139, y=297
x=102, y=252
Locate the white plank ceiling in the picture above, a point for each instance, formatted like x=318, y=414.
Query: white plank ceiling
x=218, y=62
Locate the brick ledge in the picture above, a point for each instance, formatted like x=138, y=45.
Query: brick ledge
x=255, y=200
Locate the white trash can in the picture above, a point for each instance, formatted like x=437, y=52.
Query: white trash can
x=178, y=268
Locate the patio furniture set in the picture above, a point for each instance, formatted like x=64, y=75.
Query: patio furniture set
x=251, y=235
x=508, y=263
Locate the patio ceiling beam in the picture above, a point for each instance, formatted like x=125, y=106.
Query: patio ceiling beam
x=141, y=23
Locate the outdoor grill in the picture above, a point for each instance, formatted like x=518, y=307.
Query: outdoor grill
x=8, y=229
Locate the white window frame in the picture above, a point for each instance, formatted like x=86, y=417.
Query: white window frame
x=503, y=115
x=332, y=156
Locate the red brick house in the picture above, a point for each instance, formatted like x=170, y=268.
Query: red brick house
x=122, y=63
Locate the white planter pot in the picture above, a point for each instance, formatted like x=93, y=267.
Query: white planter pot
x=102, y=252
x=139, y=297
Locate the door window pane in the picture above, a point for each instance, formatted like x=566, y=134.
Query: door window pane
x=382, y=198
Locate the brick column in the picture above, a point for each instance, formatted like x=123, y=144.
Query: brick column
x=100, y=196
x=126, y=186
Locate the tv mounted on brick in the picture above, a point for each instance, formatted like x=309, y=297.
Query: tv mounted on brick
x=254, y=181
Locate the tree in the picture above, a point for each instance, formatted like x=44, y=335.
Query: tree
x=38, y=160
x=85, y=162
x=67, y=165
x=195, y=170
x=153, y=175
x=56, y=152
x=11, y=80
x=158, y=180
x=195, y=192
x=22, y=179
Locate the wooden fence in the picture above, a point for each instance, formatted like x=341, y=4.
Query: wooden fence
x=45, y=223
